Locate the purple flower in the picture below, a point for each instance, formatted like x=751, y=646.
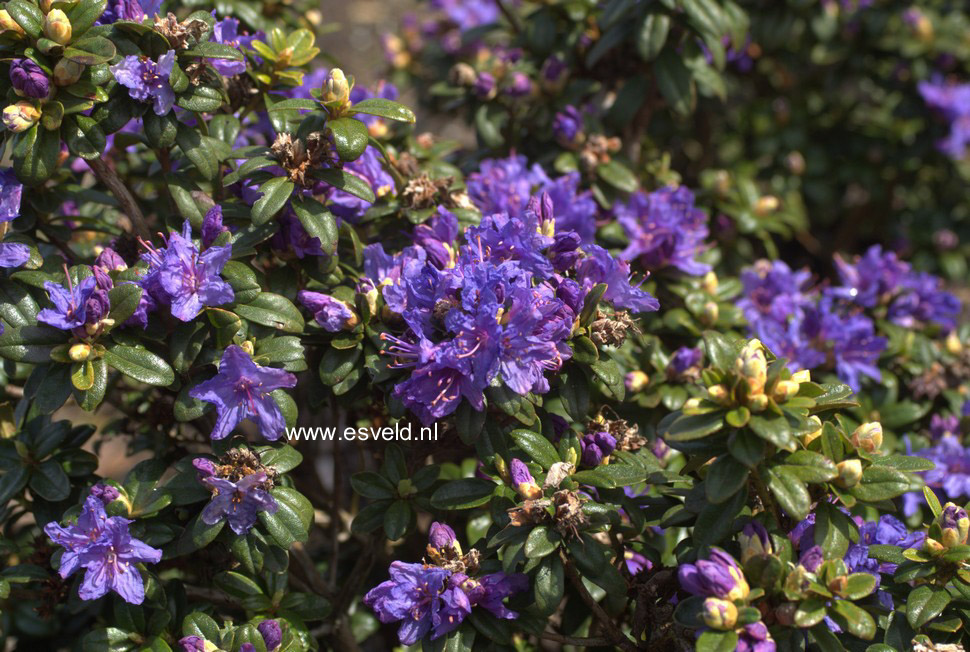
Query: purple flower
x=665, y=230
x=567, y=125
x=772, y=292
x=189, y=280
x=872, y=280
x=272, y=634
x=10, y=192
x=944, y=426
x=413, y=595
x=192, y=644
x=755, y=637
x=369, y=168
x=212, y=226
x=442, y=536
x=522, y=480
x=683, y=360
x=950, y=478
x=13, y=254
x=521, y=85
x=811, y=558
x=106, y=549
x=596, y=446
x=718, y=576
x=71, y=304
x=148, y=81
x=466, y=14
x=105, y=492
x=437, y=236
x=504, y=185
x=952, y=101
x=636, y=562
x=29, y=79
x=110, y=261
x=291, y=236
x=334, y=315
x=241, y=390
x=226, y=32
x=922, y=300
x=494, y=588
x=130, y=10
x=239, y=503
x=598, y=266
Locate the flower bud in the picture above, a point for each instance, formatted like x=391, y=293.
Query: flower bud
x=66, y=72
x=336, y=88
x=709, y=313
x=8, y=24
x=57, y=27
x=719, y=614
x=461, y=74
x=692, y=405
x=932, y=546
x=710, y=283
x=784, y=390
x=28, y=79
x=758, y=403
x=868, y=437
x=850, y=472
x=753, y=366
x=719, y=394
x=20, y=116
x=766, y=205
x=955, y=523
x=248, y=347
x=79, y=352
x=442, y=537
x=953, y=344
x=785, y=614
x=803, y=376
x=272, y=634
x=636, y=381
x=523, y=481
x=755, y=541
x=812, y=436
x=204, y=467
x=105, y=493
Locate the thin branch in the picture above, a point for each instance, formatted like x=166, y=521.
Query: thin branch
x=574, y=640
x=617, y=637
x=129, y=206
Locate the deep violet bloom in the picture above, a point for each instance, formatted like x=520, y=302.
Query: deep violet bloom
x=441, y=536
x=148, y=81
x=872, y=279
x=567, y=126
x=718, y=576
x=70, y=309
x=772, y=292
x=10, y=192
x=466, y=14
x=683, y=360
x=272, y=634
x=13, y=254
x=755, y=637
x=950, y=480
x=238, y=503
x=241, y=390
x=212, y=226
x=598, y=266
x=923, y=300
x=106, y=549
x=952, y=101
x=413, y=596
x=944, y=426
x=191, y=279
x=130, y=10
x=29, y=79
x=596, y=446
x=105, y=492
x=369, y=168
x=437, y=236
x=110, y=261
x=333, y=314
x=192, y=644
x=665, y=230
x=226, y=32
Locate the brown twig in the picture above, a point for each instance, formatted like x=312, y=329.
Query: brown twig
x=617, y=637
x=129, y=206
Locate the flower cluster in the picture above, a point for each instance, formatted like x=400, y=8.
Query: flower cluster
x=952, y=101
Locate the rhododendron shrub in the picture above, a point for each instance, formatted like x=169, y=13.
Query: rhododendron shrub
x=670, y=355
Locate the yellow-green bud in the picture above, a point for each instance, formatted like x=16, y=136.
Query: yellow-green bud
x=710, y=283
x=753, y=366
x=758, y=403
x=20, y=116
x=636, y=381
x=766, y=205
x=867, y=437
x=803, y=376
x=955, y=523
x=720, y=614
x=336, y=88
x=8, y=24
x=79, y=352
x=932, y=546
x=248, y=347
x=709, y=313
x=691, y=405
x=66, y=72
x=850, y=472
x=57, y=27
x=719, y=394
x=812, y=436
x=953, y=344
x=784, y=390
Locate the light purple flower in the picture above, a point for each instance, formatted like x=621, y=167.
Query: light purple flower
x=241, y=390
x=190, y=279
x=70, y=304
x=13, y=254
x=226, y=32
x=665, y=230
x=10, y=191
x=238, y=503
x=148, y=81
x=334, y=315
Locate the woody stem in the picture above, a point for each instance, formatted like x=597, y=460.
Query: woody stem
x=608, y=622
x=126, y=200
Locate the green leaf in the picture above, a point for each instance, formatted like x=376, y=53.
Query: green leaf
x=83, y=15
x=83, y=136
x=925, y=603
x=652, y=35
x=463, y=494
x=792, y=494
x=537, y=446
x=35, y=154
x=124, y=299
x=275, y=193
x=198, y=534
x=349, y=137
x=27, y=15
x=396, y=519
x=161, y=130
x=249, y=594
x=91, y=398
x=385, y=109
x=858, y=586
x=201, y=99
x=50, y=482
x=715, y=641
x=810, y=467
x=674, y=81
x=574, y=393
x=318, y=222
x=853, y=619
x=725, y=477
x=30, y=343
x=687, y=428
x=715, y=522
x=550, y=585
x=617, y=175
x=90, y=51
x=273, y=310
x=613, y=475
x=201, y=151
x=809, y=612
x=372, y=485
x=291, y=521
x=346, y=181
x=880, y=483
x=142, y=365
x=211, y=50
x=541, y=541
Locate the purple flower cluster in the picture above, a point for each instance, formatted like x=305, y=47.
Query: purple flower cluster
x=242, y=390
x=952, y=101
x=129, y=10
x=665, y=230
x=237, y=502
x=79, y=308
x=105, y=548
x=505, y=186
x=501, y=309
x=426, y=598
x=12, y=254
x=950, y=480
x=148, y=81
x=183, y=277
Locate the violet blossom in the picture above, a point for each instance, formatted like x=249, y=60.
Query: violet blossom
x=147, y=80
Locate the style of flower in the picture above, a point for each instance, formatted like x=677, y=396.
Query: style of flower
x=238, y=503
x=241, y=390
x=665, y=230
x=105, y=548
x=148, y=81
